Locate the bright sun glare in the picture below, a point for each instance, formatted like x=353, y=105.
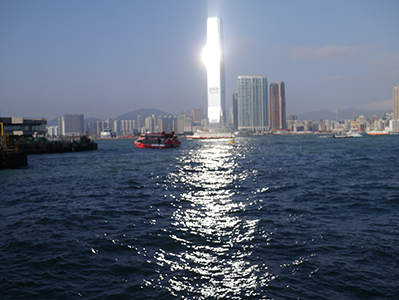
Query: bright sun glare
x=211, y=54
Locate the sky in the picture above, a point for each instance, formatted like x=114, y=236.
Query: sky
x=105, y=58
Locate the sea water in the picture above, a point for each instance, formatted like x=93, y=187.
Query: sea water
x=268, y=217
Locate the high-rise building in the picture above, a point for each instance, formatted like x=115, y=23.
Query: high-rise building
x=235, y=110
x=339, y=112
x=277, y=106
x=61, y=129
x=149, y=124
x=396, y=102
x=186, y=113
x=197, y=115
x=252, y=103
x=167, y=124
x=213, y=56
x=73, y=124
x=160, y=124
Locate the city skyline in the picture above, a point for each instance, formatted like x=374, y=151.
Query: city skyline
x=104, y=58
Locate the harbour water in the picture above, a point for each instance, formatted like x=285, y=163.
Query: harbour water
x=274, y=217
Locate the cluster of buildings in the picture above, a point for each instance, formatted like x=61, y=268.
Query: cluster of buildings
x=68, y=125
x=251, y=111
x=359, y=123
x=185, y=122
x=387, y=121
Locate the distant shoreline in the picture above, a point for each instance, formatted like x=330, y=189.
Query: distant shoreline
x=243, y=135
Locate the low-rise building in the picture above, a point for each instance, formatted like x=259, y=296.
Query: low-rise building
x=19, y=126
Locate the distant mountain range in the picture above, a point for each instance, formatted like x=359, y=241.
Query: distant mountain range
x=345, y=114
x=376, y=108
x=144, y=113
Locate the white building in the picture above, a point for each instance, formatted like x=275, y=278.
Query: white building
x=148, y=123
x=393, y=125
x=52, y=130
x=213, y=57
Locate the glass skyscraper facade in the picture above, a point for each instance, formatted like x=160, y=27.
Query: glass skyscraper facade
x=214, y=59
x=252, y=103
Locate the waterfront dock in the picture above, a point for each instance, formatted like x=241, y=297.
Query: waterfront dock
x=14, y=155
x=20, y=137
x=58, y=146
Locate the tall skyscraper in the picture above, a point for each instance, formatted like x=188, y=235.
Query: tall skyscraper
x=277, y=106
x=395, y=102
x=339, y=111
x=213, y=56
x=252, y=103
x=235, y=110
x=197, y=115
x=61, y=126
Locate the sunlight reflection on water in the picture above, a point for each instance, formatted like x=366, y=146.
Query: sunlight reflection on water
x=213, y=257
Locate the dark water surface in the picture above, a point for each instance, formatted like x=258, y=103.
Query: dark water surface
x=297, y=217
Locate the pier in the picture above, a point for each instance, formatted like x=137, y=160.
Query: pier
x=14, y=150
x=40, y=146
x=20, y=137
x=15, y=155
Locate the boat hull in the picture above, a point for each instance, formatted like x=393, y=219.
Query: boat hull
x=156, y=146
x=337, y=136
x=211, y=136
x=378, y=133
x=157, y=141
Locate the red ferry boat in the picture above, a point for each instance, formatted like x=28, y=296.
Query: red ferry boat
x=157, y=140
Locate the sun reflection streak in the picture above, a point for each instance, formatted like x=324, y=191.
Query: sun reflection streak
x=212, y=255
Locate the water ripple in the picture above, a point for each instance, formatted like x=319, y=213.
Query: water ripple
x=263, y=218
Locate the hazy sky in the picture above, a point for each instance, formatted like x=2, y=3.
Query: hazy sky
x=105, y=58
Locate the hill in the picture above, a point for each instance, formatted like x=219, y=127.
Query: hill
x=91, y=120
x=53, y=122
x=144, y=112
x=315, y=115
